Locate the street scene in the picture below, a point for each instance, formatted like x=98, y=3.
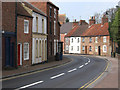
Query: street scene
x=47, y=44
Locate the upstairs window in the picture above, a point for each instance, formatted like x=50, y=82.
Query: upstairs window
x=50, y=12
x=54, y=13
x=104, y=39
x=72, y=40
x=90, y=39
x=54, y=27
x=83, y=39
x=50, y=27
x=26, y=26
x=36, y=24
x=78, y=40
x=96, y=39
x=42, y=25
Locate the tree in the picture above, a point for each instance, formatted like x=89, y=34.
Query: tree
x=97, y=18
x=67, y=19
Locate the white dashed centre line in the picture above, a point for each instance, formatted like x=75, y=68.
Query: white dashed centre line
x=29, y=85
x=57, y=76
x=86, y=63
x=72, y=70
x=81, y=66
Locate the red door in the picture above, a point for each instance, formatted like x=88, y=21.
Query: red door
x=18, y=54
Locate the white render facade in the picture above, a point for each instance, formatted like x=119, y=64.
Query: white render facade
x=75, y=45
x=39, y=38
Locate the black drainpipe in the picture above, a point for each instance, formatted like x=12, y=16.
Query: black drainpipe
x=16, y=33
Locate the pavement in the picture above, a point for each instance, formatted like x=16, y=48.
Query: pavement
x=110, y=77
x=24, y=70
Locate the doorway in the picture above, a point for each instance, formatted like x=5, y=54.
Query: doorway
x=99, y=53
x=19, y=54
x=85, y=49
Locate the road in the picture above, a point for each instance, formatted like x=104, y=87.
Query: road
x=73, y=75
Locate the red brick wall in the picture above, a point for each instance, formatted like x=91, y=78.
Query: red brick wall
x=62, y=36
x=22, y=38
x=93, y=44
x=8, y=16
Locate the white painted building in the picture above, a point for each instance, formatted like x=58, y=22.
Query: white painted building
x=75, y=45
x=39, y=38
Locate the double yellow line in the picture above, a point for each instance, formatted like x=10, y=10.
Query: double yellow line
x=94, y=79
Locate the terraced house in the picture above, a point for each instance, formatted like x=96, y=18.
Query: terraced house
x=53, y=26
x=39, y=33
x=96, y=39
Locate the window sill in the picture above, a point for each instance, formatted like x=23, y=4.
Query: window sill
x=26, y=59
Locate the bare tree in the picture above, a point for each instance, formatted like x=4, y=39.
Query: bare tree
x=97, y=17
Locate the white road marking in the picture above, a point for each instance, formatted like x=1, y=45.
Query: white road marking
x=81, y=66
x=72, y=70
x=86, y=63
x=57, y=76
x=89, y=60
x=29, y=85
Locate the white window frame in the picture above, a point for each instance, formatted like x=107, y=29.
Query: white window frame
x=27, y=51
x=83, y=39
x=72, y=40
x=104, y=48
x=54, y=13
x=67, y=48
x=78, y=40
x=77, y=48
x=104, y=39
x=71, y=48
x=96, y=49
x=83, y=48
x=96, y=39
x=26, y=31
x=90, y=48
x=90, y=40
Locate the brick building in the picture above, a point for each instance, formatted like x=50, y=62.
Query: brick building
x=52, y=26
x=24, y=36
x=96, y=39
x=62, y=18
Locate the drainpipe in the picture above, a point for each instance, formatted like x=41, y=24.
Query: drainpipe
x=16, y=32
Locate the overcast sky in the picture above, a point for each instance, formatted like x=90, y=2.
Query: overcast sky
x=76, y=9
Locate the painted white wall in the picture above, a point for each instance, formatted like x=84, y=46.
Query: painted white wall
x=40, y=17
x=75, y=44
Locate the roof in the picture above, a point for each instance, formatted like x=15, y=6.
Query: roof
x=35, y=9
x=22, y=11
x=65, y=28
x=77, y=31
x=97, y=30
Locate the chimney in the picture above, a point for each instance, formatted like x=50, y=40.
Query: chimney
x=81, y=22
x=92, y=20
x=104, y=19
x=75, y=20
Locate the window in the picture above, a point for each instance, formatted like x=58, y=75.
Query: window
x=77, y=48
x=72, y=40
x=96, y=39
x=54, y=47
x=54, y=13
x=36, y=48
x=78, y=40
x=104, y=39
x=42, y=25
x=26, y=51
x=66, y=39
x=83, y=39
x=67, y=48
x=96, y=49
x=36, y=24
x=71, y=48
x=50, y=11
x=104, y=48
x=50, y=27
x=54, y=27
x=83, y=48
x=90, y=39
x=90, y=48
x=40, y=48
x=26, y=26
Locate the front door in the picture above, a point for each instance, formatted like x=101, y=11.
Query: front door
x=99, y=50
x=19, y=54
x=85, y=49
